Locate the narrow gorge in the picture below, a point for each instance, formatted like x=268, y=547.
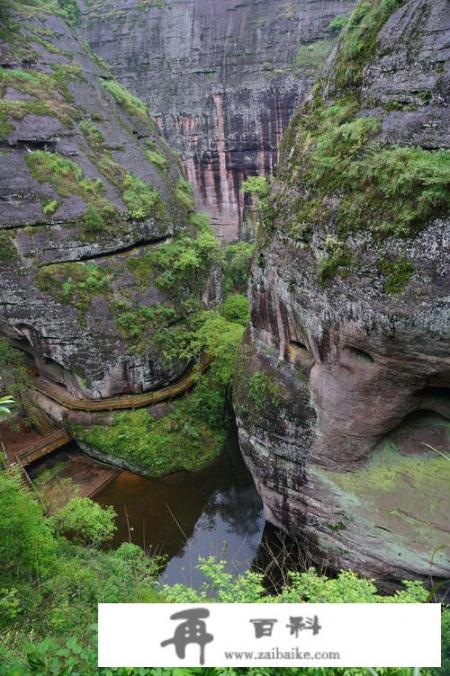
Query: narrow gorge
x=224, y=310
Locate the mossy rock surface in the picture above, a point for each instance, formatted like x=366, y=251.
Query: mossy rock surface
x=90, y=189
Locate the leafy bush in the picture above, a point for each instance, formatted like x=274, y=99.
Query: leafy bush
x=93, y=135
x=235, y=308
x=306, y=587
x=74, y=283
x=132, y=104
x=184, y=194
x=338, y=260
x=337, y=24
x=49, y=207
x=93, y=220
x=219, y=338
x=8, y=251
x=27, y=544
x=85, y=522
x=263, y=392
x=71, y=11
x=156, y=158
x=360, y=39
x=236, y=267
x=140, y=198
x=256, y=185
x=67, y=178
x=397, y=273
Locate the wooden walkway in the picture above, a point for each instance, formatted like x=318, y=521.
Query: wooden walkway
x=121, y=402
x=49, y=443
x=52, y=437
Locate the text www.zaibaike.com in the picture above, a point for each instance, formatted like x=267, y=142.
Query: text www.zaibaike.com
x=277, y=654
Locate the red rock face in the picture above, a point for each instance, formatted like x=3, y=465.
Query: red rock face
x=343, y=390
x=221, y=80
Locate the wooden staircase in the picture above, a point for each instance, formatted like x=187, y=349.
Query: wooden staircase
x=19, y=469
x=51, y=438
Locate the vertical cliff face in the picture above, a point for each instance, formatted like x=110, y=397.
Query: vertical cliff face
x=343, y=397
x=95, y=218
x=221, y=77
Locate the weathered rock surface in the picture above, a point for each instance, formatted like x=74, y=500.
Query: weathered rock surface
x=220, y=78
x=88, y=191
x=343, y=401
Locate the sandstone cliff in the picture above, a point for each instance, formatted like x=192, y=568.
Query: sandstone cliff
x=344, y=400
x=221, y=77
x=101, y=259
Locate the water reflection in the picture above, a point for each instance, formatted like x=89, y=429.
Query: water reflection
x=212, y=512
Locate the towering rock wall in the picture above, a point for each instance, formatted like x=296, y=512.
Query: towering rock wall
x=94, y=217
x=343, y=399
x=220, y=77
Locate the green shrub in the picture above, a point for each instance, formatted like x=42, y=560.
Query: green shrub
x=93, y=135
x=214, y=334
x=397, y=274
x=141, y=199
x=256, y=185
x=8, y=251
x=49, y=207
x=74, y=283
x=85, y=522
x=131, y=104
x=337, y=24
x=184, y=194
x=27, y=544
x=71, y=11
x=200, y=221
x=235, y=308
x=156, y=158
x=236, y=267
x=138, y=325
x=180, y=267
x=307, y=587
x=360, y=40
x=338, y=261
x=93, y=220
x=264, y=392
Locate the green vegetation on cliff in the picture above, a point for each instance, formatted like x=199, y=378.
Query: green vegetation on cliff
x=131, y=104
x=359, y=41
x=74, y=283
x=341, y=178
x=192, y=430
x=390, y=190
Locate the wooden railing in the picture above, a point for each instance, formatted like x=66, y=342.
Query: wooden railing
x=121, y=402
x=43, y=447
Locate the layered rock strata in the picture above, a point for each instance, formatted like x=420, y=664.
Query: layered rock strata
x=343, y=401
x=222, y=78
x=94, y=216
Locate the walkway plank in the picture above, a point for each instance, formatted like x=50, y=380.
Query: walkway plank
x=121, y=402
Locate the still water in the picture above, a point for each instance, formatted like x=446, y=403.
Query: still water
x=214, y=511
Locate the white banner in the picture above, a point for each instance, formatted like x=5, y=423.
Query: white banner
x=269, y=635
